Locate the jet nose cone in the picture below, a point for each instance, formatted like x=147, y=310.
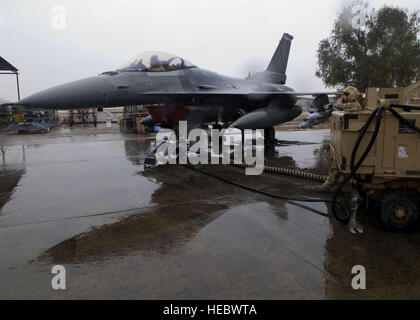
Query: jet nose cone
x=89, y=92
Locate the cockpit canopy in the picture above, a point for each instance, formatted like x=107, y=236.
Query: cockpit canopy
x=153, y=61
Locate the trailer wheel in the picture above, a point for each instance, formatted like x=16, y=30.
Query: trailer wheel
x=399, y=210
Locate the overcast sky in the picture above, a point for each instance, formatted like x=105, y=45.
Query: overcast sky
x=231, y=37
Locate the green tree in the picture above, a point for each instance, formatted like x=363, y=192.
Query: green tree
x=383, y=53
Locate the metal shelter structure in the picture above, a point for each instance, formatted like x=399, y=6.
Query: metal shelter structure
x=8, y=68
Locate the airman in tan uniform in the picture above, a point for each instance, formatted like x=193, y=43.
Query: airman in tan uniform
x=349, y=100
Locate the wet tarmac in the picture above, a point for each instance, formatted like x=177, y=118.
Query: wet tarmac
x=81, y=198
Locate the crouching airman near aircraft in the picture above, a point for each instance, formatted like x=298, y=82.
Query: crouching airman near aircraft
x=349, y=100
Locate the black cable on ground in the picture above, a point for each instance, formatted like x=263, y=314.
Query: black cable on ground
x=272, y=195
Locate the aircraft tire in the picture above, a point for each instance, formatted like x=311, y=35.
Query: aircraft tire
x=269, y=135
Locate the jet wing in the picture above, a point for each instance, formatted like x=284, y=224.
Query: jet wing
x=209, y=93
x=250, y=95
x=241, y=93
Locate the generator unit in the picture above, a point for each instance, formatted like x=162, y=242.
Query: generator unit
x=390, y=173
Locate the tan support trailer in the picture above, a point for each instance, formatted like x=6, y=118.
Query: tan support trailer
x=390, y=174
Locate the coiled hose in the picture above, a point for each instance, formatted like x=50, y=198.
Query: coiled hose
x=289, y=172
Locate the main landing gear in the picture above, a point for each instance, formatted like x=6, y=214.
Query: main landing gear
x=269, y=135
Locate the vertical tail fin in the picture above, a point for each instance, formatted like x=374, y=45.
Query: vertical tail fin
x=278, y=63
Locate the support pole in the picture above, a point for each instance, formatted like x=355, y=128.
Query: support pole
x=17, y=83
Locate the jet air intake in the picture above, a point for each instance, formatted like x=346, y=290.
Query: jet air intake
x=276, y=113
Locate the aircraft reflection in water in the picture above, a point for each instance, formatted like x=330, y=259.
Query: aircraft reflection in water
x=154, y=230
x=179, y=211
x=175, y=89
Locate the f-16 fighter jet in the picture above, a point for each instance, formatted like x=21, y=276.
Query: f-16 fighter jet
x=175, y=89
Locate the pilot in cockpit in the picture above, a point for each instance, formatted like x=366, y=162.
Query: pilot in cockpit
x=157, y=65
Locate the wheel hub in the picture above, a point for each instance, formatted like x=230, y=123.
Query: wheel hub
x=399, y=211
